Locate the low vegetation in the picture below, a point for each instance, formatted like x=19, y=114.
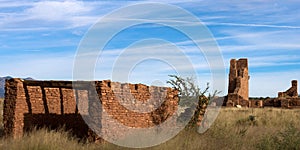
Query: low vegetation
x=191, y=97
x=246, y=128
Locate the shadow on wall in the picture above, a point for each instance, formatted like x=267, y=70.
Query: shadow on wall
x=68, y=122
x=40, y=104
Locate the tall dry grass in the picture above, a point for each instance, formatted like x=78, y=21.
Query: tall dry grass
x=246, y=128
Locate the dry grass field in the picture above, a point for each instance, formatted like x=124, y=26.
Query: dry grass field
x=246, y=128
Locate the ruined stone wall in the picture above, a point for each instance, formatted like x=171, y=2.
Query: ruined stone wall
x=238, y=90
x=286, y=99
x=291, y=92
x=52, y=104
x=238, y=87
x=152, y=106
x=256, y=103
x=290, y=103
x=289, y=98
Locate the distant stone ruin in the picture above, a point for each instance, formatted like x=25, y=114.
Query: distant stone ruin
x=238, y=90
x=54, y=104
x=292, y=92
x=289, y=98
x=238, y=86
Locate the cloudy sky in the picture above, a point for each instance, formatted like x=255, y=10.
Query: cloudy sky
x=40, y=39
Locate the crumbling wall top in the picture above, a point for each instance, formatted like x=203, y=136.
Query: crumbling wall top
x=291, y=92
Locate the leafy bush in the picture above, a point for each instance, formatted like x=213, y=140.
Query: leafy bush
x=192, y=97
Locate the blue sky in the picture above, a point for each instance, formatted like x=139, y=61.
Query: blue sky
x=40, y=38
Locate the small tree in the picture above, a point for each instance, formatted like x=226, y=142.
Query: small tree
x=190, y=95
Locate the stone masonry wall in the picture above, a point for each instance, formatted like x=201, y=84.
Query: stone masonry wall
x=238, y=87
x=136, y=106
x=286, y=99
x=292, y=92
x=52, y=104
x=289, y=98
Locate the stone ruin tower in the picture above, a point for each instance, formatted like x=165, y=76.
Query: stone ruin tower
x=238, y=86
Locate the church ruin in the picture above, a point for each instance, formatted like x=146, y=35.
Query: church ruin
x=238, y=90
x=238, y=86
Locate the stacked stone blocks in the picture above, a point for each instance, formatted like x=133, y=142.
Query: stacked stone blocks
x=54, y=104
x=238, y=87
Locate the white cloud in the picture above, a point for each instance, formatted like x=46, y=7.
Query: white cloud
x=13, y=4
x=49, y=15
x=265, y=42
x=252, y=25
x=259, y=30
x=56, y=11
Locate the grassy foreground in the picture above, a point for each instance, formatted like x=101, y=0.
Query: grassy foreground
x=267, y=128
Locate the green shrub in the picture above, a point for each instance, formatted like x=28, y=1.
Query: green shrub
x=191, y=96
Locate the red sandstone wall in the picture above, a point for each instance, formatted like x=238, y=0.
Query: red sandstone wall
x=235, y=99
x=256, y=103
x=53, y=104
x=290, y=103
x=238, y=86
x=239, y=78
x=31, y=104
x=117, y=99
